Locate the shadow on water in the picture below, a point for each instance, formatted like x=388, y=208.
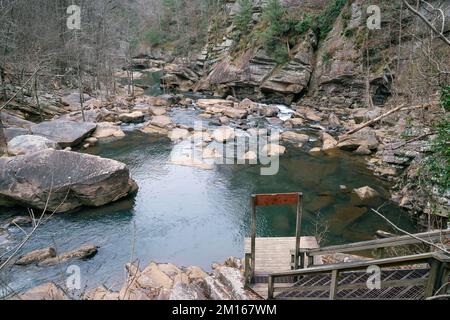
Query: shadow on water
x=189, y=216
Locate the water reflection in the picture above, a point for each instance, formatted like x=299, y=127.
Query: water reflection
x=189, y=216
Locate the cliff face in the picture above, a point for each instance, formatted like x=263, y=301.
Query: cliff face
x=343, y=69
x=349, y=76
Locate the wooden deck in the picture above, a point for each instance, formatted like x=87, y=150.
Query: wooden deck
x=274, y=255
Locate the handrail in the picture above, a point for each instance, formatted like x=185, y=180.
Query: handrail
x=335, y=269
x=376, y=244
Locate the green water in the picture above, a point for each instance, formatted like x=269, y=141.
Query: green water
x=190, y=216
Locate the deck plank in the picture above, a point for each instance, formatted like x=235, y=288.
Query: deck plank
x=274, y=254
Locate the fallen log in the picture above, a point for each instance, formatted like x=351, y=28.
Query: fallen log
x=387, y=114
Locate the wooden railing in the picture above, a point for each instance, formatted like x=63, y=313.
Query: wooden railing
x=307, y=255
x=438, y=276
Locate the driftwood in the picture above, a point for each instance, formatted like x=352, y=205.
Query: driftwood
x=414, y=140
x=377, y=119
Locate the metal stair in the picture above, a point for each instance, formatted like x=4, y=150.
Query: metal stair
x=403, y=284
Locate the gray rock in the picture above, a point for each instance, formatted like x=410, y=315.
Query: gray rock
x=36, y=256
x=11, y=133
x=363, y=138
x=13, y=121
x=70, y=180
x=84, y=252
x=66, y=133
x=28, y=144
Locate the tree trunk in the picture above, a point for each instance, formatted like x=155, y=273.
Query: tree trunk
x=38, y=105
x=3, y=142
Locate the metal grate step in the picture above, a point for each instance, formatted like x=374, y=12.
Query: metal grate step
x=396, y=284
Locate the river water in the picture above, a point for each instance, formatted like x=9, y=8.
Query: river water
x=190, y=216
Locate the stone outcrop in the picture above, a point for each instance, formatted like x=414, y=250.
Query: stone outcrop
x=169, y=282
x=24, y=144
x=68, y=180
x=65, y=133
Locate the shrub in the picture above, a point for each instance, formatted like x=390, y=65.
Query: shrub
x=326, y=19
x=153, y=37
x=305, y=24
x=436, y=169
x=243, y=18
x=445, y=97
x=348, y=33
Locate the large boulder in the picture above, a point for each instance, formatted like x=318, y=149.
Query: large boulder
x=11, y=133
x=133, y=117
x=362, y=138
x=28, y=144
x=293, y=137
x=66, y=133
x=161, y=121
x=68, y=180
x=108, y=130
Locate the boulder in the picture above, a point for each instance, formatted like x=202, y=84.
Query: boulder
x=366, y=193
x=224, y=121
x=247, y=104
x=68, y=180
x=65, y=133
x=84, y=252
x=293, y=137
x=269, y=111
x=36, y=256
x=363, y=150
x=329, y=143
x=14, y=121
x=224, y=134
x=133, y=117
x=362, y=138
x=152, y=277
x=179, y=134
x=315, y=151
x=273, y=150
x=236, y=113
x=161, y=121
x=73, y=100
x=205, y=103
x=28, y=144
x=108, y=130
x=294, y=122
x=158, y=111
x=47, y=291
x=101, y=293
x=11, y=133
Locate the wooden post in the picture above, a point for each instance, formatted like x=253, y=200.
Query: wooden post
x=271, y=287
x=432, y=278
x=253, y=244
x=298, y=231
x=334, y=284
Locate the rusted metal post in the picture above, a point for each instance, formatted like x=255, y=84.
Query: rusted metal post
x=253, y=244
x=298, y=232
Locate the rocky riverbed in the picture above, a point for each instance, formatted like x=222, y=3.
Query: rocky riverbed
x=76, y=179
